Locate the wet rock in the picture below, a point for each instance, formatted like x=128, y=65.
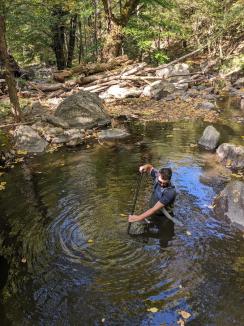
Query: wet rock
x=206, y=106
x=159, y=90
x=239, y=83
x=56, y=121
x=82, y=110
x=110, y=134
x=26, y=138
x=116, y=91
x=229, y=204
x=210, y=138
x=231, y=155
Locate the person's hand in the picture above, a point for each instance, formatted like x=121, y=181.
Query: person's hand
x=133, y=218
x=142, y=169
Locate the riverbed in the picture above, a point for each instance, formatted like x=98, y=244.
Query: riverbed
x=66, y=258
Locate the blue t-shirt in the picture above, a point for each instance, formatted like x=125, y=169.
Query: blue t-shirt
x=166, y=195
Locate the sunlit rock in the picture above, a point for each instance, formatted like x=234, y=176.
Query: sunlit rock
x=29, y=140
x=119, y=92
x=159, y=90
x=229, y=204
x=210, y=138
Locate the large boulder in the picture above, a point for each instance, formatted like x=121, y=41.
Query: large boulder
x=210, y=138
x=29, y=140
x=231, y=155
x=229, y=204
x=119, y=92
x=159, y=90
x=82, y=110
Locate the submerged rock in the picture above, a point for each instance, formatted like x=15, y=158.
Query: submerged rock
x=29, y=140
x=82, y=110
x=210, y=138
x=229, y=204
x=110, y=134
x=231, y=155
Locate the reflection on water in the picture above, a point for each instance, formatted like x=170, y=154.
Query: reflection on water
x=63, y=212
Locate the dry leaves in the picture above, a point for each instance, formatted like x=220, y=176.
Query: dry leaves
x=2, y=185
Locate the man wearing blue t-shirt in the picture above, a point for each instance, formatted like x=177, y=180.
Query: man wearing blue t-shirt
x=163, y=195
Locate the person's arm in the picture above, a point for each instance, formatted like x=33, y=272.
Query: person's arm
x=146, y=168
x=149, y=212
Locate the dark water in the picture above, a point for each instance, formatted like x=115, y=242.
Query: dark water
x=62, y=213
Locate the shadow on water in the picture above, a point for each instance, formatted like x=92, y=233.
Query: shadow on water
x=65, y=214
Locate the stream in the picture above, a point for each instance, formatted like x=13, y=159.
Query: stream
x=66, y=258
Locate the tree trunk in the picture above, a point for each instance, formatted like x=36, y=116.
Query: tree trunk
x=58, y=30
x=113, y=44
x=8, y=73
x=71, y=45
x=114, y=37
x=81, y=46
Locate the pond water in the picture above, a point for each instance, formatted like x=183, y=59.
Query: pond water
x=66, y=256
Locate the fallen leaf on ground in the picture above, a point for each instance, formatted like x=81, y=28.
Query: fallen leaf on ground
x=153, y=309
x=2, y=185
x=185, y=314
x=21, y=152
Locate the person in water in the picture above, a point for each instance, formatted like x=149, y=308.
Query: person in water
x=163, y=196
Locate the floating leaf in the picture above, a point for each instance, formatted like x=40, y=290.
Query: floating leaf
x=193, y=145
x=185, y=314
x=103, y=320
x=153, y=309
x=242, y=137
x=23, y=260
x=188, y=232
x=90, y=241
x=21, y=152
x=123, y=215
x=169, y=136
x=2, y=185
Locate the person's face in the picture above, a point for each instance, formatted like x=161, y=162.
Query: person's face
x=162, y=182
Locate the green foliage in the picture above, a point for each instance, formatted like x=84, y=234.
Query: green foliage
x=160, y=57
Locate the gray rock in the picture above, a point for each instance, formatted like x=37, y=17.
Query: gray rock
x=116, y=91
x=174, y=71
x=159, y=90
x=82, y=110
x=56, y=121
x=28, y=139
x=210, y=138
x=61, y=139
x=210, y=97
x=110, y=134
x=231, y=155
x=206, y=106
x=239, y=83
x=229, y=204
